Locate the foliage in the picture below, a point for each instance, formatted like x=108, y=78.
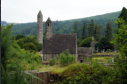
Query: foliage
x=99, y=45
x=5, y=44
x=66, y=58
x=97, y=32
x=75, y=28
x=89, y=74
x=83, y=31
x=86, y=42
x=65, y=27
x=25, y=58
x=15, y=59
x=123, y=15
x=91, y=28
x=29, y=43
x=121, y=37
x=108, y=50
x=17, y=77
x=52, y=61
x=108, y=31
x=19, y=36
x=104, y=43
x=30, y=46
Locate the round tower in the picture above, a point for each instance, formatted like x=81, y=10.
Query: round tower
x=40, y=27
x=48, y=27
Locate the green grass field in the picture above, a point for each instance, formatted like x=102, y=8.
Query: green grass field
x=102, y=59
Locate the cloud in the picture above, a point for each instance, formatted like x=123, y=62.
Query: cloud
x=22, y=11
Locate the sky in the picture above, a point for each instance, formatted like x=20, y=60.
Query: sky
x=24, y=11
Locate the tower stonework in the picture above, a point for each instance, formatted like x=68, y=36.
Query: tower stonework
x=48, y=26
x=93, y=44
x=40, y=27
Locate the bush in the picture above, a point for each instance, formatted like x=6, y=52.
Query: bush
x=66, y=58
x=86, y=42
x=108, y=50
x=30, y=46
x=52, y=61
x=89, y=74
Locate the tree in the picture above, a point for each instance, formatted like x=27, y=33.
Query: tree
x=19, y=36
x=108, y=31
x=24, y=42
x=86, y=42
x=6, y=44
x=96, y=32
x=91, y=29
x=30, y=46
x=75, y=28
x=123, y=14
x=83, y=31
x=106, y=44
x=99, y=32
x=121, y=37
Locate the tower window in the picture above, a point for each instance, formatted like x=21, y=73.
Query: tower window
x=48, y=24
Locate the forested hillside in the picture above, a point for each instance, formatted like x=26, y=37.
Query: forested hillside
x=3, y=22
x=65, y=27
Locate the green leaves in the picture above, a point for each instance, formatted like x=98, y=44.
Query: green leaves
x=66, y=58
x=52, y=61
x=86, y=42
x=121, y=37
x=108, y=31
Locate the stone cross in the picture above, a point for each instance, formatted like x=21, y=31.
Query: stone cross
x=97, y=49
x=112, y=60
x=103, y=50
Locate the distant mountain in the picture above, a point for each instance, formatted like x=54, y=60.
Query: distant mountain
x=65, y=27
x=3, y=22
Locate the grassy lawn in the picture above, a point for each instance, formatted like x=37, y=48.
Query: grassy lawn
x=106, y=53
x=55, y=68
x=102, y=59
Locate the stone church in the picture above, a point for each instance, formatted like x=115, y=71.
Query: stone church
x=54, y=44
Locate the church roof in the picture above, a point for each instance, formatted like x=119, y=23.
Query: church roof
x=59, y=43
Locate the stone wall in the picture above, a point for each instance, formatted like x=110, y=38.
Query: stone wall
x=84, y=50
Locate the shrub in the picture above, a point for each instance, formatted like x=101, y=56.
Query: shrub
x=108, y=50
x=66, y=58
x=95, y=51
x=52, y=61
x=86, y=42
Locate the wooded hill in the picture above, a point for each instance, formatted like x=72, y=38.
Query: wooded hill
x=65, y=27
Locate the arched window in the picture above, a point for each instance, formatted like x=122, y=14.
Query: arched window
x=48, y=24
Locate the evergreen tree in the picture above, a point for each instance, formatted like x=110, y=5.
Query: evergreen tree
x=96, y=30
x=108, y=31
x=83, y=31
x=91, y=29
x=99, y=32
x=121, y=37
x=123, y=14
x=75, y=28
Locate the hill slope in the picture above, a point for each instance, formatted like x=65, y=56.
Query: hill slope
x=65, y=27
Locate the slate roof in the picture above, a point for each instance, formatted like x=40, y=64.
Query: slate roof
x=59, y=43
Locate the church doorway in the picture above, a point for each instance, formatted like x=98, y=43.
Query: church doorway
x=81, y=61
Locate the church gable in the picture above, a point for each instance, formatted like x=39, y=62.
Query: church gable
x=59, y=43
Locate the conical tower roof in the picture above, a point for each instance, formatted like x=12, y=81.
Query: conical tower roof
x=48, y=20
x=39, y=13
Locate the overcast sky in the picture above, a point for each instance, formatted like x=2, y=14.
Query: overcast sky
x=23, y=11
